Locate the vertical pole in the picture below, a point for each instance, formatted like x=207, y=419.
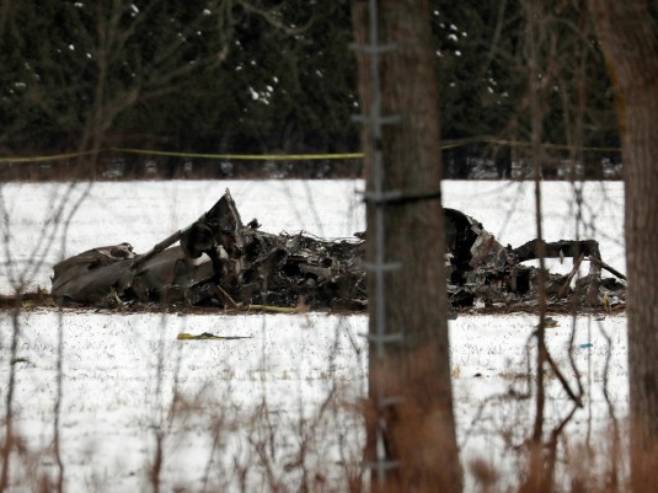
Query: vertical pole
x=377, y=197
x=376, y=136
x=411, y=442
x=376, y=133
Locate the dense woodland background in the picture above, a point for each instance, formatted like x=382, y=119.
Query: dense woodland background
x=279, y=77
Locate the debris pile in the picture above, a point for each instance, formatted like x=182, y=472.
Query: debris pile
x=220, y=262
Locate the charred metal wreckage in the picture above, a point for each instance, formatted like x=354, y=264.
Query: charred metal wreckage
x=219, y=261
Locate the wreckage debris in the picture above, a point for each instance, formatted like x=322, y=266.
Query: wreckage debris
x=220, y=262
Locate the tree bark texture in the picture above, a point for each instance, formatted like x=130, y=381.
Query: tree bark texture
x=420, y=429
x=627, y=34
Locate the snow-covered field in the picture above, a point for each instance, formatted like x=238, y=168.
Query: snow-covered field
x=114, y=398
x=254, y=411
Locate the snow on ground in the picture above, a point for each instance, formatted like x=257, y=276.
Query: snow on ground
x=51, y=221
x=111, y=402
x=261, y=404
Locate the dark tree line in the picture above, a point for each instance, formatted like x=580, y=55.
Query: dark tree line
x=255, y=76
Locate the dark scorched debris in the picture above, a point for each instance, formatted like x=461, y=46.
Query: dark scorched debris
x=219, y=261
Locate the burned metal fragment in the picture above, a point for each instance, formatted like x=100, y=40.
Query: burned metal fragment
x=218, y=261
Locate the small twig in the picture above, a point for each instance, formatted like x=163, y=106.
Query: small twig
x=565, y=385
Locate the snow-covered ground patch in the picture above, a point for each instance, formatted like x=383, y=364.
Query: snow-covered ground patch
x=114, y=397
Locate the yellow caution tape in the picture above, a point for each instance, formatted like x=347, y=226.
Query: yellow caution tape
x=451, y=144
x=243, y=157
x=50, y=157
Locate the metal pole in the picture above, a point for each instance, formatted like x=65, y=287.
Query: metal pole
x=377, y=198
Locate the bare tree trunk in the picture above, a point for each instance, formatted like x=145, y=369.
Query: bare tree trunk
x=627, y=35
x=418, y=430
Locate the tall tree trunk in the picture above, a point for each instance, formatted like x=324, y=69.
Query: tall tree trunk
x=418, y=430
x=627, y=34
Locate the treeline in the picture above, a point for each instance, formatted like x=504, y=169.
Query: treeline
x=247, y=76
